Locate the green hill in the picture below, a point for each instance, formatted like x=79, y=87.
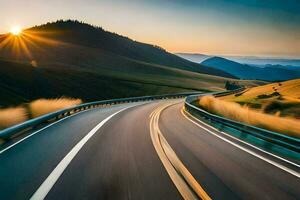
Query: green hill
x=80, y=44
x=68, y=58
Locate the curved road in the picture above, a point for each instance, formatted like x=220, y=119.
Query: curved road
x=150, y=150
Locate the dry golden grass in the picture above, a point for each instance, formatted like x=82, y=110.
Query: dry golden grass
x=287, y=89
x=286, y=95
x=244, y=114
x=12, y=116
x=43, y=106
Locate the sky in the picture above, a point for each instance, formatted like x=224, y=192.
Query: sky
x=266, y=28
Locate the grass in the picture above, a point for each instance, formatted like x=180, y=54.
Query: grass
x=21, y=83
x=12, y=116
x=16, y=115
x=43, y=106
x=244, y=114
x=281, y=108
x=282, y=98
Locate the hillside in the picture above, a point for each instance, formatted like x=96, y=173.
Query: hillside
x=244, y=71
x=80, y=44
x=21, y=83
x=282, y=98
x=77, y=60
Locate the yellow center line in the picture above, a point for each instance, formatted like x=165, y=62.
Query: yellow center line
x=186, y=184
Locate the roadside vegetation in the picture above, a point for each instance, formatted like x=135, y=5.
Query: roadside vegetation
x=280, y=98
x=12, y=116
x=244, y=114
x=43, y=106
x=275, y=107
x=16, y=115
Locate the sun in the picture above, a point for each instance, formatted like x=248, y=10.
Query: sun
x=16, y=30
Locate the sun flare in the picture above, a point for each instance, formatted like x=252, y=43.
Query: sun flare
x=16, y=30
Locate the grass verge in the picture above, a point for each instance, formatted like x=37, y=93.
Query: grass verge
x=12, y=116
x=16, y=115
x=244, y=114
x=43, y=106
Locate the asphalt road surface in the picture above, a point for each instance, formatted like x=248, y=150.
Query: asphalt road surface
x=150, y=150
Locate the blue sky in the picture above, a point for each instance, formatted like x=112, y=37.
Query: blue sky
x=255, y=27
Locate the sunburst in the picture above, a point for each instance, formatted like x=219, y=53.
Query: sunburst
x=21, y=43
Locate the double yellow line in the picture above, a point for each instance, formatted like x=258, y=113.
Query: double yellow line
x=186, y=184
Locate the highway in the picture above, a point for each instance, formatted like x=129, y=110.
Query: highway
x=145, y=150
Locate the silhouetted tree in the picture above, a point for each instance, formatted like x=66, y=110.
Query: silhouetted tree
x=231, y=85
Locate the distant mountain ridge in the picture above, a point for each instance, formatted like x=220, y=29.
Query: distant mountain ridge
x=244, y=71
x=250, y=60
x=264, y=61
x=289, y=67
x=194, y=57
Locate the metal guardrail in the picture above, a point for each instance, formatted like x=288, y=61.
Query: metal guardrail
x=285, y=141
x=18, y=129
x=229, y=92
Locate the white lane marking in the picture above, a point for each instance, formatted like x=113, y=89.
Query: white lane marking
x=237, y=139
x=46, y=186
x=28, y=136
x=290, y=171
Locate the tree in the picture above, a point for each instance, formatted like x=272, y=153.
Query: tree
x=231, y=85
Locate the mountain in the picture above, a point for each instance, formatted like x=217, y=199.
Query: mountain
x=194, y=57
x=69, y=58
x=289, y=67
x=250, y=60
x=264, y=61
x=244, y=71
x=73, y=42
